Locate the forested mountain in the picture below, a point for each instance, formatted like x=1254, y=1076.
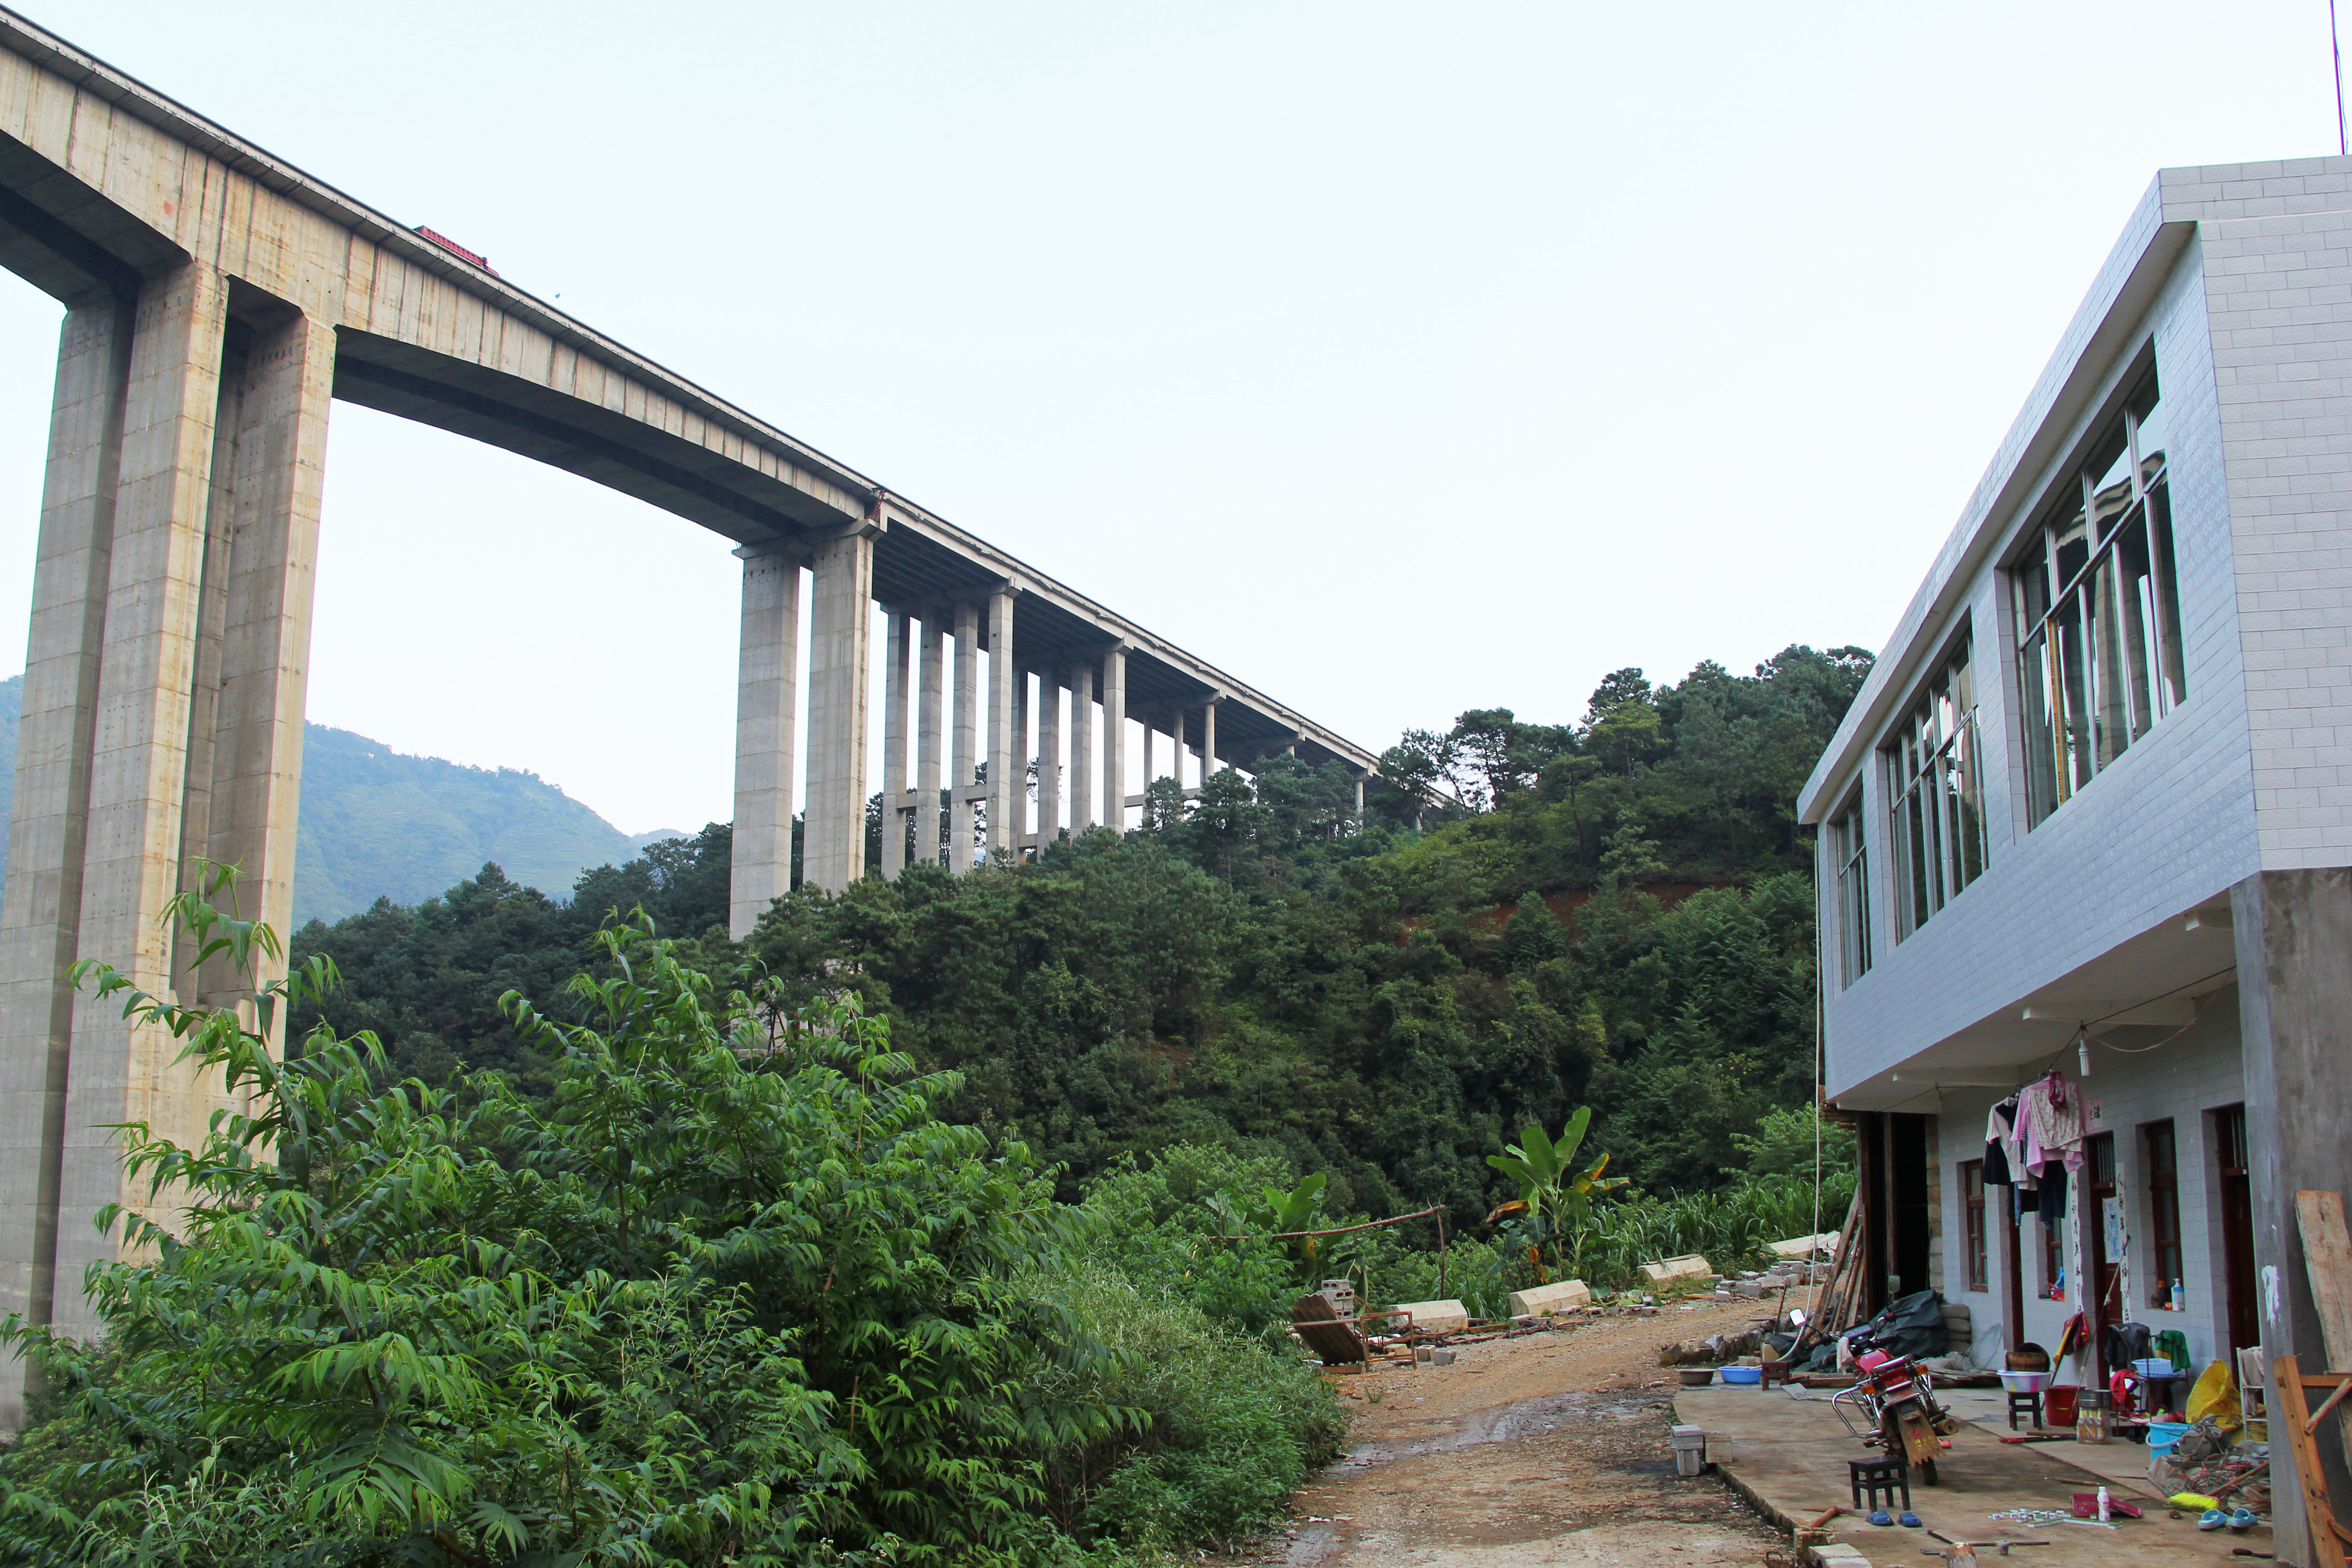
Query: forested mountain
x=377, y=823
x=1618, y=912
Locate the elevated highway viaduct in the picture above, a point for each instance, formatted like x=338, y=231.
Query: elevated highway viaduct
x=217, y=301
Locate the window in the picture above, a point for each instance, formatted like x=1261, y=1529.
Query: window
x=2098, y=615
x=2164, y=1207
x=1972, y=1223
x=1853, y=894
x=1938, y=776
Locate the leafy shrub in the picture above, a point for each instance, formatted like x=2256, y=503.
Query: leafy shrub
x=731, y=1295
x=1230, y=1429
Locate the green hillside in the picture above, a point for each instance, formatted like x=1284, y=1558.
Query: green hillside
x=378, y=824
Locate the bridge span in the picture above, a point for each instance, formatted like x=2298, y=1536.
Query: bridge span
x=216, y=301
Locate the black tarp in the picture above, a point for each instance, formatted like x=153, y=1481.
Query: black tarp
x=1910, y=1325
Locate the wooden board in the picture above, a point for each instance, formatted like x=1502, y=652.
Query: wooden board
x=2327, y=1263
x=2330, y=1542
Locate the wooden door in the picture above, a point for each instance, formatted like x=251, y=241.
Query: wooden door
x=2103, y=1263
x=2244, y=1326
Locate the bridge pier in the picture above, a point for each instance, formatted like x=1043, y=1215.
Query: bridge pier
x=767, y=685
x=833, y=833
x=1114, y=723
x=1006, y=796
x=165, y=675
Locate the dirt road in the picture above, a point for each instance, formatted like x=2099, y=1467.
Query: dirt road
x=1549, y=1450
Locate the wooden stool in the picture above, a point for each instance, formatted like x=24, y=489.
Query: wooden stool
x=1876, y=1475
x=2024, y=1403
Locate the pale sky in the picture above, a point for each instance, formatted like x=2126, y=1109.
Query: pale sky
x=1399, y=360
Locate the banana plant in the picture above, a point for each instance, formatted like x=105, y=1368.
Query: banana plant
x=1274, y=1214
x=1555, y=1196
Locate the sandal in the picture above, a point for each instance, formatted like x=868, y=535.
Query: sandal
x=1882, y=1517
x=2244, y=1519
x=2213, y=1519
x=1908, y=1519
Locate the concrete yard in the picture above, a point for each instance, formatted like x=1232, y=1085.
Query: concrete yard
x=1785, y=1451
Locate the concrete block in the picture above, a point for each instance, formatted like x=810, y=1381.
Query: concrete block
x=1565, y=1295
x=1690, y=1267
x=1437, y=1317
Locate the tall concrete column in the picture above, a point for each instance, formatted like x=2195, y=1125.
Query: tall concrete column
x=1150, y=738
x=1049, y=758
x=766, y=683
x=1082, y=748
x=40, y=915
x=138, y=770
x=1176, y=745
x=1025, y=753
x=833, y=838
x=265, y=642
x=964, y=755
x=1114, y=738
x=2294, y=932
x=927, y=742
x=897, y=652
x=1208, y=739
x=1003, y=782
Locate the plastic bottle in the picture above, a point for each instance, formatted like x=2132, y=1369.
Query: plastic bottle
x=2102, y=1505
x=2179, y=1297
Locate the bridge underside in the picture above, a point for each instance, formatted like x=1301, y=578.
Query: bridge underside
x=216, y=302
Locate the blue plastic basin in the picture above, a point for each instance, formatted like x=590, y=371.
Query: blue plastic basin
x=1742, y=1374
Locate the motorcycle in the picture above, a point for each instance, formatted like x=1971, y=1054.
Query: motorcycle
x=1896, y=1400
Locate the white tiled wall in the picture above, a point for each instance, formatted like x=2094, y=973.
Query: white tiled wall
x=2185, y=1079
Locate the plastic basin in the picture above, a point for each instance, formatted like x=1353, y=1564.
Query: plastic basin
x=2154, y=1366
x=1743, y=1374
x=2026, y=1382
x=2163, y=1434
x=1697, y=1377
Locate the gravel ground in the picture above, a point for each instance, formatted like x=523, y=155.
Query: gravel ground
x=1548, y=1449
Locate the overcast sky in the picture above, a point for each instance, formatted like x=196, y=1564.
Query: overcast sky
x=1397, y=359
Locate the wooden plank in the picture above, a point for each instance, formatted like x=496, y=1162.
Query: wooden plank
x=2329, y=1540
x=2327, y=1263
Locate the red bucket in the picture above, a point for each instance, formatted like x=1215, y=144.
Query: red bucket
x=2058, y=1404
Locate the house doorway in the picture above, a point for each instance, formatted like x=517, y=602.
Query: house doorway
x=2103, y=1245
x=2237, y=1195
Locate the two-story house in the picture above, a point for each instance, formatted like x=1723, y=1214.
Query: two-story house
x=2092, y=813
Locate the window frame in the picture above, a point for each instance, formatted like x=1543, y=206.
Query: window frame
x=2100, y=655
x=1936, y=754
x=1975, y=1251
x=1850, y=890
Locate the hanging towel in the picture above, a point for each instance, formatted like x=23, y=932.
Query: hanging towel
x=2173, y=1345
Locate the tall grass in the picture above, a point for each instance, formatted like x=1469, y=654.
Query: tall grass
x=1730, y=1228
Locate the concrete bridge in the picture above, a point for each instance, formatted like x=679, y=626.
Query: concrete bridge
x=217, y=301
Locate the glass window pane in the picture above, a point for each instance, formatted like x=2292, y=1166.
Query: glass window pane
x=2110, y=473
x=1969, y=820
x=2072, y=658
x=2111, y=731
x=2041, y=739
x=2174, y=688
x=2070, y=547
x=2137, y=594
x=2149, y=437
